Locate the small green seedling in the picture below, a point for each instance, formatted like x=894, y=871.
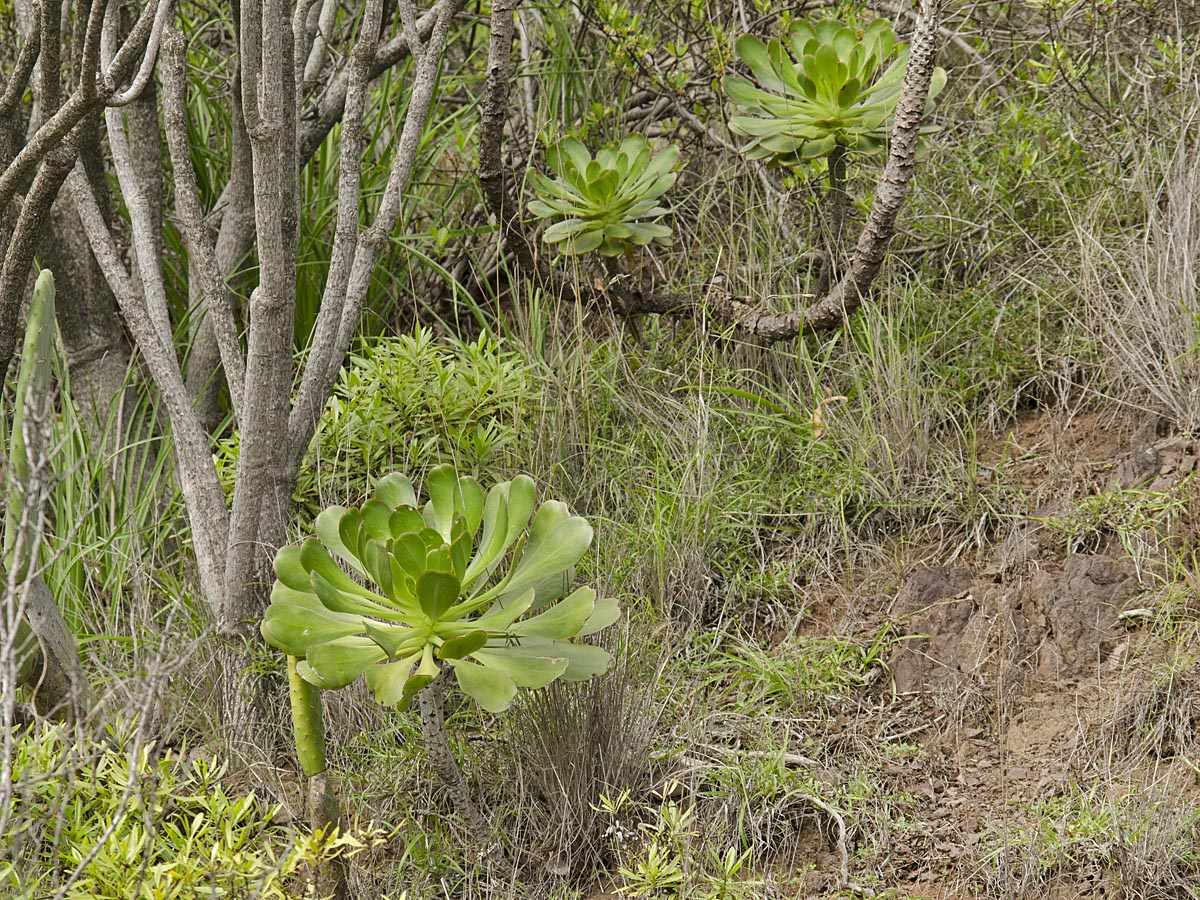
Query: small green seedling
x=608, y=204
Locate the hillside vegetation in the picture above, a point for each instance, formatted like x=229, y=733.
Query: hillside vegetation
x=891, y=599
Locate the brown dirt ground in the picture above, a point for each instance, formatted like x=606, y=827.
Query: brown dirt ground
x=1050, y=759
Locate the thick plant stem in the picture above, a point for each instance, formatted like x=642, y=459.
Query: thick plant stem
x=441, y=757
x=45, y=658
x=321, y=800
x=837, y=204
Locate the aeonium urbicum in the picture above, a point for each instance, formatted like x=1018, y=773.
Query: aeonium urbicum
x=826, y=90
x=608, y=203
x=396, y=591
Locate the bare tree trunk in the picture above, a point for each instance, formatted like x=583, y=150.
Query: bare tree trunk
x=234, y=543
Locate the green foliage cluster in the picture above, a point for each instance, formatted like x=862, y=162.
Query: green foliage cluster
x=414, y=402
x=411, y=403
x=660, y=857
x=828, y=88
x=143, y=826
x=489, y=604
x=608, y=204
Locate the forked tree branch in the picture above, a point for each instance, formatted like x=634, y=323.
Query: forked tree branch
x=345, y=232
x=85, y=100
x=337, y=329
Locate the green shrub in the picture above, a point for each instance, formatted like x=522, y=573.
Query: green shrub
x=411, y=403
x=142, y=826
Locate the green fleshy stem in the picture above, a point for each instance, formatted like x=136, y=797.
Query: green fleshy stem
x=308, y=725
x=33, y=386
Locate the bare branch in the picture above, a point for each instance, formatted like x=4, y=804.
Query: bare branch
x=21, y=72
x=162, y=15
x=203, y=495
x=329, y=109
x=23, y=244
x=493, y=176
x=49, y=86
x=268, y=51
x=325, y=348
x=82, y=102
x=89, y=56
x=321, y=370
x=221, y=303
x=300, y=27
x=848, y=294
x=142, y=227
x=318, y=41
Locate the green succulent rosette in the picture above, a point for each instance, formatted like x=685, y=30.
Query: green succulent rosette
x=395, y=591
x=608, y=204
x=828, y=87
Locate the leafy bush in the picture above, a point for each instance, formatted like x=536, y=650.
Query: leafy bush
x=117, y=826
x=609, y=204
x=411, y=403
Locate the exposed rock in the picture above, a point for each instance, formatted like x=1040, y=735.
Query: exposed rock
x=965, y=629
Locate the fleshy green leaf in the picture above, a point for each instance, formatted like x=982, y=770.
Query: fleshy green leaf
x=437, y=592
x=293, y=628
x=526, y=671
x=387, y=680
x=563, y=619
x=289, y=569
x=492, y=689
x=328, y=527
x=395, y=490
x=464, y=645
x=604, y=613
x=340, y=661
